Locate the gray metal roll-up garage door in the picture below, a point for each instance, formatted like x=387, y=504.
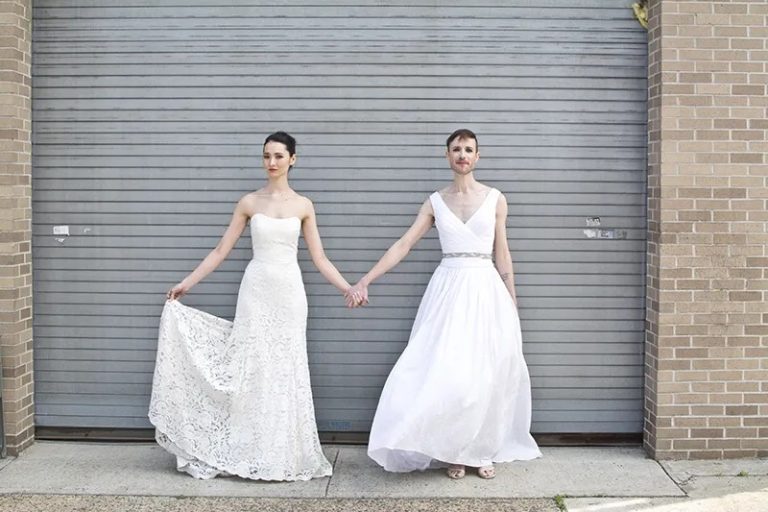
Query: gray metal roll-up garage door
x=148, y=121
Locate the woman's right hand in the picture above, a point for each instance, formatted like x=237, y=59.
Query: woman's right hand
x=357, y=295
x=178, y=291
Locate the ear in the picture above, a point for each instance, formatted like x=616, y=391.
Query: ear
x=292, y=161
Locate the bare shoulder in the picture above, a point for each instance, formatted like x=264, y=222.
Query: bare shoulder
x=305, y=205
x=248, y=202
x=304, y=201
x=248, y=198
x=426, y=206
x=501, y=204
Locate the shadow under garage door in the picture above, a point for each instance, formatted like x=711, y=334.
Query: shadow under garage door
x=148, y=121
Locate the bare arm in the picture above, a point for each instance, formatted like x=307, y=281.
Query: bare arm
x=217, y=255
x=315, y=247
x=501, y=248
x=403, y=246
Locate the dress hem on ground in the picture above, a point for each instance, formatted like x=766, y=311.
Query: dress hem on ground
x=197, y=468
x=435, y=460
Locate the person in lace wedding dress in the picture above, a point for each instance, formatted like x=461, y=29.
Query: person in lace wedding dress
x=459, y=395
x=234, y=398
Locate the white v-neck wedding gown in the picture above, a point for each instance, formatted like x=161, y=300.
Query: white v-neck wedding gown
x=460, y=392
x=234, y=397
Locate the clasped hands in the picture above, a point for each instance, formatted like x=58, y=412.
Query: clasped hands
x=356, y=296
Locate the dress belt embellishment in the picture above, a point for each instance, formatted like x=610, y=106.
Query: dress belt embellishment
x=467, y=255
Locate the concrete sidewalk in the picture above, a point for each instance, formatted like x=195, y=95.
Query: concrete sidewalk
x=63, y=476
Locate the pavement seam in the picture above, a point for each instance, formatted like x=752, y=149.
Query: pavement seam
x=618, y=496
x=7, y=462
x=333, y=470
x=678, y=484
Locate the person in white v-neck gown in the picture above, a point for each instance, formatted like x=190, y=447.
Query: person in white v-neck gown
x=459, y=395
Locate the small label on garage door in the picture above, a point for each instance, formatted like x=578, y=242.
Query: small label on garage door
x=606, y=234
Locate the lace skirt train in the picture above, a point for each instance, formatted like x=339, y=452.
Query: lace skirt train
x=235, y=397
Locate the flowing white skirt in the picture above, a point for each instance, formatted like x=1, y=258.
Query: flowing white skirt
x=235, y=397
x=460, y=392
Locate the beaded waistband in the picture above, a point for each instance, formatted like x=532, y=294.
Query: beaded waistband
x=467, y=255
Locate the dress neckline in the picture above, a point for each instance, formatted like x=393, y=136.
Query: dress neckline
x=465, y=222
x=275, y=218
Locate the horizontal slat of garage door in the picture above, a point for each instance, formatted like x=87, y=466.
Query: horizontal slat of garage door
x=148, y=118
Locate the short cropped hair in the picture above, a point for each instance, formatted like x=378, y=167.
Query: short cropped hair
x=461, y=133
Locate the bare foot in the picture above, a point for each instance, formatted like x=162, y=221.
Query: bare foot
x=455, y=471
x=486, y=472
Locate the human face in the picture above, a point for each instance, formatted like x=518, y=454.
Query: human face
x=462, y=155
x=276, y=159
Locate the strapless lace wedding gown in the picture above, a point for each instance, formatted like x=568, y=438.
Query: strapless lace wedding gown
x=460, y=392
x=235, y=397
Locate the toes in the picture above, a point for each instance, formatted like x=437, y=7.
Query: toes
x=486, y=472
x=456, y=472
